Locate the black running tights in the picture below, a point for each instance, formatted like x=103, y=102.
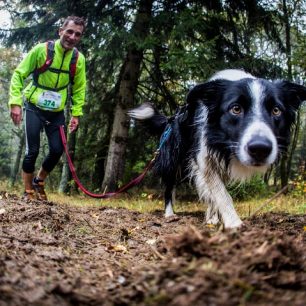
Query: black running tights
x=35, y=121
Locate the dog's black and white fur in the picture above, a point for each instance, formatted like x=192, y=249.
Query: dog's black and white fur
x=232, y=126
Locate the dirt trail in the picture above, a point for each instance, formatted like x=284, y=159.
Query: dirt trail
x=54, y=254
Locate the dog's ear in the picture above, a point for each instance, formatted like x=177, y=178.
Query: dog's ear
x=294, y=94
x=208, y=93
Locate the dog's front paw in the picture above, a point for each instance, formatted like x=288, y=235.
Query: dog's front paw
x=231, y=224
x=212, y=216
x=169, y=211
x=213, y=219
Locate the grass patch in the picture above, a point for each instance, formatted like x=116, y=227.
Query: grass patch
x=284, y=203
x=149, y=202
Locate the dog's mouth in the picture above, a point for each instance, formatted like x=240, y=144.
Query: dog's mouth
x=250, y=163
x=258, y=164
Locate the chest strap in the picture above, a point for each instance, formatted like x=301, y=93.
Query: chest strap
x=47, y=66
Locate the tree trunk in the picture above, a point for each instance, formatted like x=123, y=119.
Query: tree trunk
x=302, y=157
x=294, y=142
x=66, y=177
x=288, y=39
x=283, y=170
x=128, y=82
x=16, y=166
x=285, y=158
x=98, y=173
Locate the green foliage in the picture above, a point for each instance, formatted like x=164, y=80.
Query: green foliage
x=255, y=188
x=188, y=41
x=4, y=156
x=299, y=185
x=8, y=59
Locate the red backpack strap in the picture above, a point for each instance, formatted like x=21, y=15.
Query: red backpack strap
x=73, y=64
x=49, y=57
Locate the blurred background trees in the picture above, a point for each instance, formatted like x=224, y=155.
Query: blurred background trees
x=154, y=51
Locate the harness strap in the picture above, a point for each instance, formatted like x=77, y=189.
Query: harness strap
x=49, y=58
x=56, y=70
x=73, y=64
x=47, y=66
x=165, y=136
x=49, y=88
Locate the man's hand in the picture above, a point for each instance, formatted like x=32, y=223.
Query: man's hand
x=73, y=124
x=16, y=114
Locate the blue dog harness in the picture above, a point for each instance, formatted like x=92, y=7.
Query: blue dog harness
x=181, y=115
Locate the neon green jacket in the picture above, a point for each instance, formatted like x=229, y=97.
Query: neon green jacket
x=35, y=59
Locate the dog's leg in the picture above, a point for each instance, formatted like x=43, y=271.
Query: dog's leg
x=212, y=216
x=169, y=200
x=211, y=189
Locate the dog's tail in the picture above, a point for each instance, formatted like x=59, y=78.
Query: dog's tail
x=152, y=119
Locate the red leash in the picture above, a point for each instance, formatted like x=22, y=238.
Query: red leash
x=134, y=182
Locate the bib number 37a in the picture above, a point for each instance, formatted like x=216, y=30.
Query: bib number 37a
x=49, y=100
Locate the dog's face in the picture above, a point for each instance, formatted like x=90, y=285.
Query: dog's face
x=249, y=119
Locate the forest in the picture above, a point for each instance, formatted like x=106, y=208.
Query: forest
x=138, y=51
x=72, y=250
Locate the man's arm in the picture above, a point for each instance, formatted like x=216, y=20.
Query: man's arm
x=23, y=70
x=26, y=67
x=79, y=88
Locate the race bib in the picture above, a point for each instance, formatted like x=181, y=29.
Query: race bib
x=49, y=100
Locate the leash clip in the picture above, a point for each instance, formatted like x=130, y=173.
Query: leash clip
x=155, y=154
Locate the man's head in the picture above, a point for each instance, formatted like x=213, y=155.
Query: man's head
x=71, y=32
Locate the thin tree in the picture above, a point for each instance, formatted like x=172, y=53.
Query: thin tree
x=128, y=81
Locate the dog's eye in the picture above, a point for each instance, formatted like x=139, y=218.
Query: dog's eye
x=276, y=111
x=236, y=109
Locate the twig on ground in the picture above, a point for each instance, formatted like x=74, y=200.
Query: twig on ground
x=160, y=256
x=284, y=189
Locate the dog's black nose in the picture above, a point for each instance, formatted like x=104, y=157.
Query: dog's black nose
x=259, y=148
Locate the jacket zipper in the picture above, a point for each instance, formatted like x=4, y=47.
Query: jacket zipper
x=58, y=76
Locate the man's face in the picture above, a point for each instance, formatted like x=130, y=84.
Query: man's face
x=70, y=35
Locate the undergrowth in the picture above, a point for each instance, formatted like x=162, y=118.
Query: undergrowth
x=151, y=201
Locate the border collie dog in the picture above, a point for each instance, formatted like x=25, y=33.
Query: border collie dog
x=231, y=127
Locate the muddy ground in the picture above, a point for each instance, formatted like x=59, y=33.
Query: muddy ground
x=53, y=254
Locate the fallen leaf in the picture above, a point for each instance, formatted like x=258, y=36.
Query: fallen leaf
x=151, y=241
x=118, y=248
x=262, y=249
